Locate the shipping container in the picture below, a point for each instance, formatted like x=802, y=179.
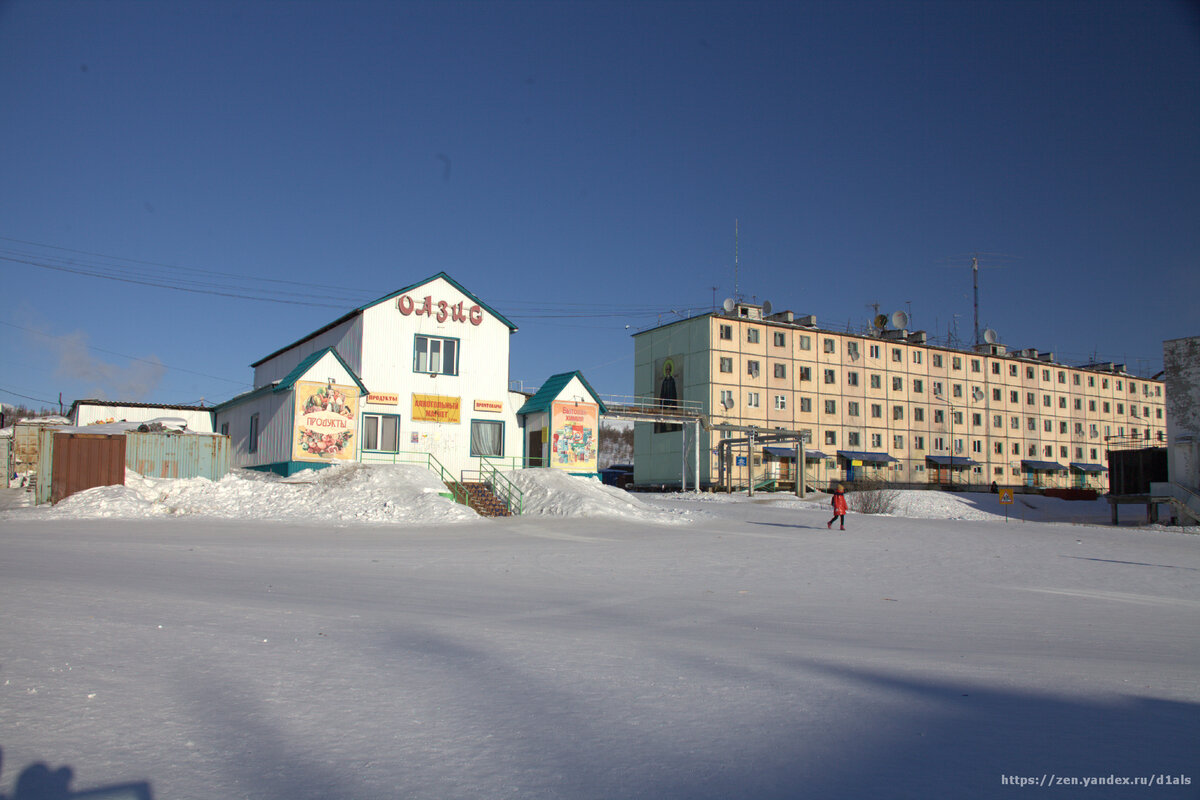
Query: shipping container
x=177, y=455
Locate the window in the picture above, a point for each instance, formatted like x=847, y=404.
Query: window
x=224, y=428
x=1030, y=399
x=957, y=390
x=996, y=395
x=939, y=443
x=1091, y=405
x=1015, y=423
x=806, y=405
x=918, y=385
x=830, y=376
x=897, y=412
x=998, y=448
x=956, y=417
x=956, y=363
x=876, y=381
x=974, y=365
x=1016, y=449
x=997, y=421
x=830, y=437
x=1120, y=408
x=939, y=417
x=781, y=370
x=252, y=439
x=752, y=369
x=1062, y=427
x=898, y=442
x=1033, y=449
x=1045, y=374
x=916, y=356
x=487, y=439
x=805, y=342
x=435, y=356
x=995, y=367
x=1048, y=426
x=726, y=364
x=752, y=399
x=976, y=446
x=897, y=384
x=1079, y=429
x=806, y=373
x=1093, y=453
x=1048, y=450
x=852, y=408
x=1031, y=424
x=727, y=332
x=1118, y=386
x=1046, y=401
x=1013, y=397
x=918, y=442
x=829, y=348
x=873, y=350
x=876, y=440
x=1062, y=402
x=976, y=420
x=780, y=338
x=853, y=439
x=381, y=432
x=752, y=335
x=852, y=349
x=1012, y=370
x=852, y=379
x=937, y=359
x=876, y=411
x=896, y=355
x=919, y=414
x=1062, y=377
x=1029, y=373
x=1078, y=404
x=1062, y=451
x=1079, y=452
x=780, y=402
x=830, y=406
x=727, y=398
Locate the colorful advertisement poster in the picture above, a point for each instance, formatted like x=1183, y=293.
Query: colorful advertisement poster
x=575, y=436
x=326, y=422
x=435, y=408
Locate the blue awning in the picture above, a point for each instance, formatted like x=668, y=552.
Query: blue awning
x=790, y=452
x=875, y=458
x=1081, y=467
x=1043, y=466
x=952, y=461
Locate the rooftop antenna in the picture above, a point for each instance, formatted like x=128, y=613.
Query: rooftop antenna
x=735, y=260
x=975, y=285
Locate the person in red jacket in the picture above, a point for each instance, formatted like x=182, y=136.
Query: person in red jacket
x=839, y=507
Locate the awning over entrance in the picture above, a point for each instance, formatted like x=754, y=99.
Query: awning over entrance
x=790, y=452
x=873, y=458
x=1081, y=467
x=1043, y=466
x=952, y=461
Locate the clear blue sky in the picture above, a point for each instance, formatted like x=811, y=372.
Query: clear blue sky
x=579, y=166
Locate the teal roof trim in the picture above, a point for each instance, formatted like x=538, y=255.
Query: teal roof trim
x=351, y=314
x=552, y=388
x=304, y=366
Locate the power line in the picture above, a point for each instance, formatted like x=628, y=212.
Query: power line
x=27, y=397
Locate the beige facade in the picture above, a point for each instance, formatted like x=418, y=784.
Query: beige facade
x=892, y=406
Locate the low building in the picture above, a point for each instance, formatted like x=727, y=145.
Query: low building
x=196, y=419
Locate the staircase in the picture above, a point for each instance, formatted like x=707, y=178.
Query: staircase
x=481, y=498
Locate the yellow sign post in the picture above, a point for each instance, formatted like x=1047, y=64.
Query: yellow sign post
x=1006, y=500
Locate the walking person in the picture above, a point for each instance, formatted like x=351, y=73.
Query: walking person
x=839, y=507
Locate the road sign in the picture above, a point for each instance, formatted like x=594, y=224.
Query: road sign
x=1006, y=497
x=741, y=461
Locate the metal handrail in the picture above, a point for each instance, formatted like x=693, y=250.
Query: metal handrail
x=502, y=487
x=430, y=462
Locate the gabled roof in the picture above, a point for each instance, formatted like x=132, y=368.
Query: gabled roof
x=352, y=314
x=290, y=380
x=552, y=388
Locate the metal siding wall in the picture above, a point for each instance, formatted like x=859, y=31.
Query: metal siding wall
x=43, y=454
x=274, y=437
x=170, y=455
x=84, y=461
x=5, y=451
x=345, y=338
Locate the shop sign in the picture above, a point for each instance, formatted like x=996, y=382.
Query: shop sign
x=326, y=422
x=574, y=436
x=384, y=398
x=441, y=310
x=435, y=408
x=494, y=406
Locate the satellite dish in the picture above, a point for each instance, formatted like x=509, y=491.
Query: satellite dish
x=977, y=393
x=728, y=305
x=727, y=402
x=990, y=336
x=766, y=308
x=899, y=320
x=880, y=321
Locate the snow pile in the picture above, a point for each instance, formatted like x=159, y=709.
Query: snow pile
x=922, y=504
x=382, y=493
x=552, y=493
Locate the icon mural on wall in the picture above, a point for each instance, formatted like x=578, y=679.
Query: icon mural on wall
x=326, y=422
x=575, y=436
x=668, y=382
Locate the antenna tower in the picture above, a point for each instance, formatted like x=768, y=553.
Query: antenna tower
x=735, y=260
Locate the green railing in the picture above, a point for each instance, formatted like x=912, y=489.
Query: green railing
x=500, y=484
x=426, y=460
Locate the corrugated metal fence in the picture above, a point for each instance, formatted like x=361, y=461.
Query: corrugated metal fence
x=178, y=455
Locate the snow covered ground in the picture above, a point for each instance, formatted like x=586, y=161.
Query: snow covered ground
x=605, y=645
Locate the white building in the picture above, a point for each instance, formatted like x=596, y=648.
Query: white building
x=196, y=419
x=423, y=370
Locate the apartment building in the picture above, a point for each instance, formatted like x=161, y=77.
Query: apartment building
x=885, y=405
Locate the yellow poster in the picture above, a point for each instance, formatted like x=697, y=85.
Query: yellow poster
x=435, y=408
x=326, y=422
x=575, y=438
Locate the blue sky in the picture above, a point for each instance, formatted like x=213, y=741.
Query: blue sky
x=580, y=167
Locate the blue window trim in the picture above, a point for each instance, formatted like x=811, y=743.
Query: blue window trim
x=363, y=431
x=499, y=422
x=457, y=353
